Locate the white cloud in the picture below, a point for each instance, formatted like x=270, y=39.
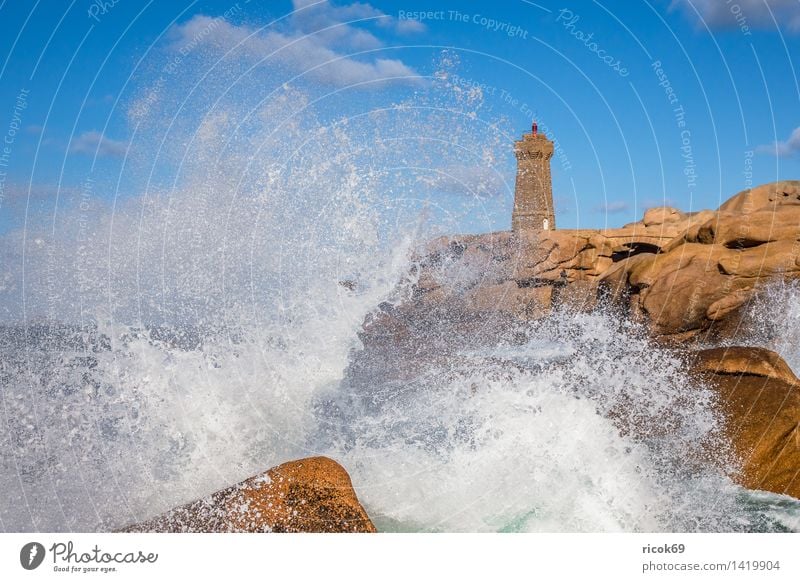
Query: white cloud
x=752, y=13
x=316, y=18
x=90, y=142
x=409, y=26
x=306, y=45
x=783, y=148
x=320, y=15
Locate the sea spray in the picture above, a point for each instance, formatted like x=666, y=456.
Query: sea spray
x=771, y=319
x=576, y=423
x=168, y=331
x=198, y=318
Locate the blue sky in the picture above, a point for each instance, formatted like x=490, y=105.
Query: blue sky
x=651, y=101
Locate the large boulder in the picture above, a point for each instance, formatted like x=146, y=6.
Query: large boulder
x=770, y=195
x=309, y=495
x=760, y=227
x=759, y=396
x=703, y=279
x=662, y=215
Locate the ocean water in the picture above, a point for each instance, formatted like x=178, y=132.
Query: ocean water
x=574, y=424
x=196, y=317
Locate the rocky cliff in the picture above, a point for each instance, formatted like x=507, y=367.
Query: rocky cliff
x=688, y=278
x=682, y=274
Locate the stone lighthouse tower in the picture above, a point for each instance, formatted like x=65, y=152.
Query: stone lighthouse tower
x=533, y=194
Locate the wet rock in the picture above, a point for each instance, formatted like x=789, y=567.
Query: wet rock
x=759, y=396
x=745, y=361
x=722, y=308
x=309, y=495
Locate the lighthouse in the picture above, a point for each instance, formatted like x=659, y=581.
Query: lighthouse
x=533, y=192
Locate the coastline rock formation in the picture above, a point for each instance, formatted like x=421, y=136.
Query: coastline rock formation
x=309, y=495
x=680, y=273
x=688, y=278
x=759, y=397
